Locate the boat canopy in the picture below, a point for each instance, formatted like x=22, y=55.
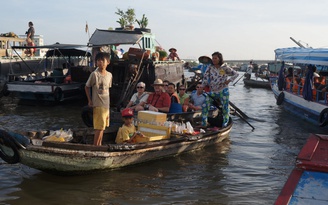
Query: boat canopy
x=53, y=46
x=67, y=52
x=114, y=37
x=315, y=56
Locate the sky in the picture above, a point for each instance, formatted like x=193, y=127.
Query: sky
x=239, y=29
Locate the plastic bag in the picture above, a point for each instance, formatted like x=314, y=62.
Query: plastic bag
x=59, y=136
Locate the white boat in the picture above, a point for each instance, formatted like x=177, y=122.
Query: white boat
x=299, y=98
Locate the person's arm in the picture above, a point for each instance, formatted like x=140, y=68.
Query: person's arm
x=129, y=104
x=87, y=93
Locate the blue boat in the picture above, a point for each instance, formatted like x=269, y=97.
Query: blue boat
x=308, y=182
x=296, y=94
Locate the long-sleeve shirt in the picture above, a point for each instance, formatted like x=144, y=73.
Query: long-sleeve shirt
x=215, y=78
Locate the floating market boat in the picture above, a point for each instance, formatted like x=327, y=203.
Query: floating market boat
x=78, y=156
x=59, y=80
x=257, y=83
x=297, y=95
x=138, y=64
x=308, y=182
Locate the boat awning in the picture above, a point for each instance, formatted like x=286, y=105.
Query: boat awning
x=53, y=46
x=114, y=37
x=315, y=56
x=67, y=52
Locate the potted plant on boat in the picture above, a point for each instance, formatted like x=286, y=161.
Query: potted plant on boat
x=162, y=55
x=122, y=23
x=128, y=16
x=143, y=23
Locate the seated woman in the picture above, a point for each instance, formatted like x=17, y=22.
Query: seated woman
x=139, y=97
x=173, y=55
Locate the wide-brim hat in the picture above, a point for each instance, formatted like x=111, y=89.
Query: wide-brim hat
x=158, y=82
x=127, y=112
x=316, y=75
x=205, y=59
x=171, y=49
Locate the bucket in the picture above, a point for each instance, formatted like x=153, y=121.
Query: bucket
x=175, y=108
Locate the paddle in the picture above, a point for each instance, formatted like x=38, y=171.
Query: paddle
x=238, y=80
x=237, y=109
x=240, y=77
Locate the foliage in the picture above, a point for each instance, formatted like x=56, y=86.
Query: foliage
x=143, y=22
x=162, y=54
x=127, y=17
x=122, y=22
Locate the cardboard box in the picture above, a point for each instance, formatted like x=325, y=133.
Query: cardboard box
x=151, y=117
x=153, y=132
x=137, y=53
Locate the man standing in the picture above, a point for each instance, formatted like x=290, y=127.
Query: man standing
x=30, y=32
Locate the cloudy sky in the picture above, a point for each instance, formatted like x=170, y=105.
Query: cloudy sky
x=239, y=29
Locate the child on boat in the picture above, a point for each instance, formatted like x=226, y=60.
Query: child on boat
x=126, y=133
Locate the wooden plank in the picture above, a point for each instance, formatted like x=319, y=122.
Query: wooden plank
x=289, y=187
x=309, y=148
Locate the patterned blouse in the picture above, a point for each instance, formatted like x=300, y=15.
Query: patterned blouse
x=215, y=77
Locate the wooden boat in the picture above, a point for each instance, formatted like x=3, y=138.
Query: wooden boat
x=138, y=65
x=307, y=183
x=55, y=83
x=79, y=156
x=290, y=94
x=257, y=83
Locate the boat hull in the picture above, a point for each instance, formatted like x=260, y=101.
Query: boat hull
x=307, y=183
x=257, y=83
x=46, y=91
x=69, y=161
x=297, y=105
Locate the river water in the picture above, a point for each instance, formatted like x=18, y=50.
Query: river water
x=250, y=167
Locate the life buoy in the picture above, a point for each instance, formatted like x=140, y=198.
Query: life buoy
x=280, y=98
x=87, y=116
x=58, y=94
x=323, y=117
x=9, y=143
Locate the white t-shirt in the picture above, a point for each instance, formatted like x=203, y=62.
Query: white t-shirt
x=143, y=98
x=249, y=69
x=100, y=88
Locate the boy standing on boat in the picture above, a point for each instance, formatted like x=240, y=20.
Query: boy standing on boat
x=99, y=83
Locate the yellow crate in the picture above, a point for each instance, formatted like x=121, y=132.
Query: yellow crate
x=154, y=132
x=140, y=138
x=147, y=116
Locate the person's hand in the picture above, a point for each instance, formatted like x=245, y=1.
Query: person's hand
x=152, y=108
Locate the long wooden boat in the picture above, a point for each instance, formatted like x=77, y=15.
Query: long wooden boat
x=257, y=83
x=290, y=95
x=79, y=156
x=307, y=183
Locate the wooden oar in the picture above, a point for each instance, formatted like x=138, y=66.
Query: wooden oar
x=238, y=110
x=241, y=117
x=238, y=80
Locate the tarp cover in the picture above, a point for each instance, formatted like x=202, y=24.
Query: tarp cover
x=52, y=46
x=315, y=56
x=113, y=37
x=67, y=52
